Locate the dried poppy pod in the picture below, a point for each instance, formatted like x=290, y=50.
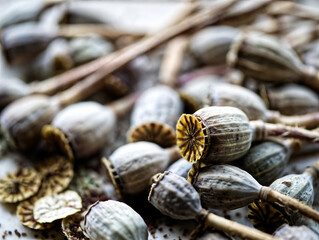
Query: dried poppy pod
x=211, y=44
x=181, y=167
x=292, y=99
x=172, y=195
x=300, y=186
x=155, y=115
x=223, y=134
x=131, y=166
x=114, y=220
x=20, y=185
x=287, y=232
x=265, y=58
x=83, y=129
x=234, y=188
x=267, y=160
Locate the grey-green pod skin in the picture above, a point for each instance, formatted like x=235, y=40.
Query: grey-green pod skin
x=250, y=103
x=264, y=58
x=211, y=44
x=228, y=131
x=113, y=220
x=10, y=90
x=292, y=99
x=23, y=119
x=299, y=186
x=214, y=235
x=173, y=196
x=88, y=126
x=180, y=167
x=265, y=161
x=157, y=104
x=287, y=232
x=85, y=49
x=225, y=187
x=136, y=163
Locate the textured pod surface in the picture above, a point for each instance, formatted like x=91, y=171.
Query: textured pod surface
x=112, y=220
x=287, y=232
x=251, y=104
x=214, y=135
x=265, y=58
x=292, y=99
x=173, y=196
x=211, y=44
x=88, y=126
x=265, y=161
x=131, y=166
x=225, y=187
x=180, y=167
x=23, y=119
x=154, y=116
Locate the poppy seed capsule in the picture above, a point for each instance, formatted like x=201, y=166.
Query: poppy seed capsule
x=180, y=167
x=155, y=115
x=110, y=220
x=223, y=134
x=287, y=232
x=131, y=166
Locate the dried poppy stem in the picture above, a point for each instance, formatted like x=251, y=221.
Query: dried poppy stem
x=172, y=60
x=175, y=197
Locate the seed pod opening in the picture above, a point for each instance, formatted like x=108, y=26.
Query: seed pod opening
x=114, y=220
x=213, y=134
x=155, y=115
x=131, y=166
x=80, y=130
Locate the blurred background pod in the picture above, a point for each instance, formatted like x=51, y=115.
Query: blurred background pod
x=155, y=115
x=131, y=166
x=287, y=232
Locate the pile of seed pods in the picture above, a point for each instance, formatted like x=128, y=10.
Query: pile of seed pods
x=188, y=132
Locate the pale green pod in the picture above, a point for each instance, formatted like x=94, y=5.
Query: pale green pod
x=113, y=220
x=81, y=129
x=131, y=166
x=155, y=115
x=265, y=161
x=211, y=44
x=173, y=196
x=250, y=103
x=225, y=186
x=287, y=232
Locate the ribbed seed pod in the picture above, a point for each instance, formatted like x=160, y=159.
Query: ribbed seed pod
x=292, y=99
x=223, y=134
x=131, y=166
x=23, y=119
x=299, y=186
x=211, y=44
x=224, y=186
x=265, y=58
x=180, y=167
x=174, y=196
x=80, y=130
x=154, y=116
x=287, y=232
x=224, y=94
x=267, y=160
x=112, y=220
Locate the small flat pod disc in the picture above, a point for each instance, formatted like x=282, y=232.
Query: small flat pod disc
x=50, y=208
x=25, y=214
x=57, y=173
x=20, y=185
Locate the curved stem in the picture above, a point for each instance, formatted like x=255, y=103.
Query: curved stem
x=271, y=195
x=235, y=229
x=307, y=120
x=123, y=105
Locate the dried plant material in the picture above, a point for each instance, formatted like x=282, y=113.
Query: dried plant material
x=25, y=214
x=19, y=185
x=57, y=173
x=295, y=233
x=50, y=208
x=71, y=227
x=85, y=181
x=114, y=220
